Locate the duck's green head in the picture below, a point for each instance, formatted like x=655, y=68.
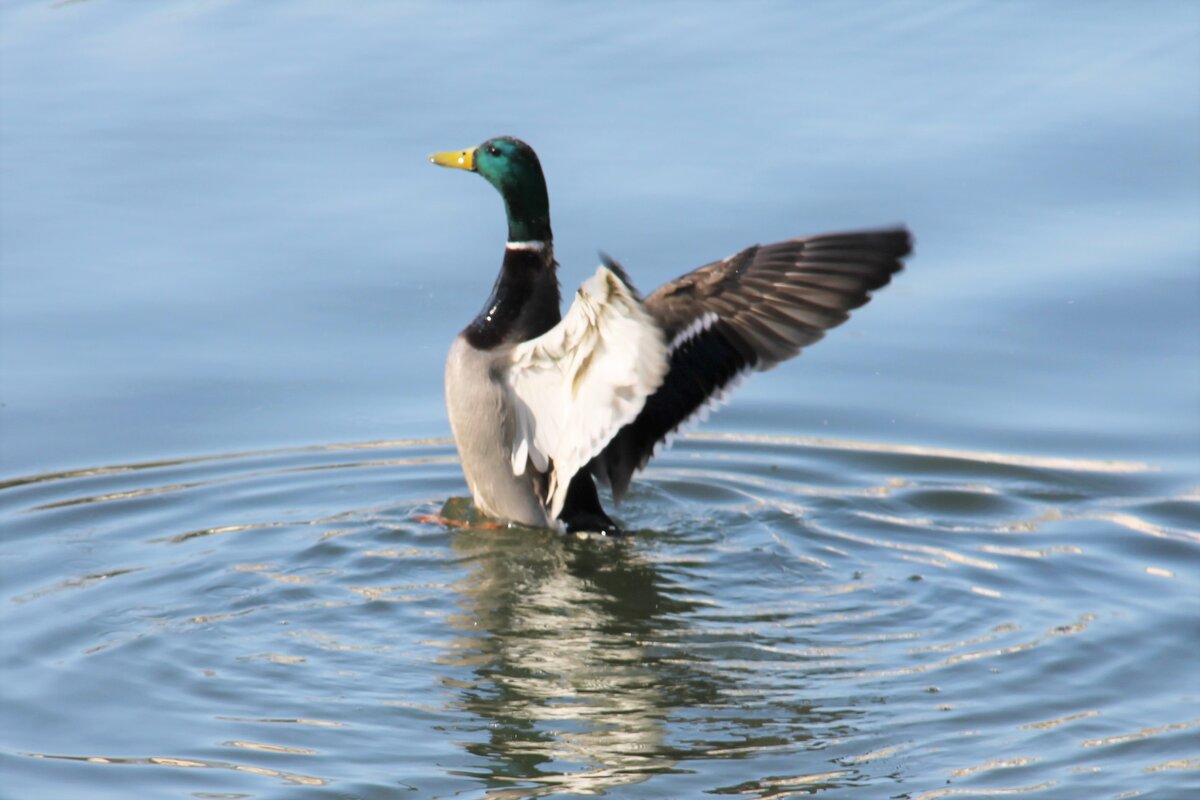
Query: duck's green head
x=513, y=168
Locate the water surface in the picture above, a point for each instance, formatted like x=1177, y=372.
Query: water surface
x=953, y=550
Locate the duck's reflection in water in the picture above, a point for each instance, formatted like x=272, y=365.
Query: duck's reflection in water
x=567, y=640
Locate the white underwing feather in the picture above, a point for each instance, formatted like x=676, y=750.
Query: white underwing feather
x=697, y=327
x=576, y=385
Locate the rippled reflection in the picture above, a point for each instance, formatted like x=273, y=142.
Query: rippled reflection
x=189, y=763
x=559, y=635
x=799, y=617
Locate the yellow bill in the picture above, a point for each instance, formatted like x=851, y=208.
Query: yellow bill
x=458, y=159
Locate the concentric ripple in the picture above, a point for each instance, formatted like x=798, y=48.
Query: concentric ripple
x=794, y=616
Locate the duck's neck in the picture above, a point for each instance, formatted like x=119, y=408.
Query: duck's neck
x=527, y=205
x=525, y=301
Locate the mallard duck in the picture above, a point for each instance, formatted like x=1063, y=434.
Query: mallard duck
x=543, y=405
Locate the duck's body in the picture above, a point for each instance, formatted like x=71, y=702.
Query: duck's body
x=483, y=420
x=540, y=404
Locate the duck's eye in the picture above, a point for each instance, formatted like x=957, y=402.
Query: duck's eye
x=493, y=150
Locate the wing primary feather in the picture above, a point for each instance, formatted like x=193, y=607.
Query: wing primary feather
x=747, y=312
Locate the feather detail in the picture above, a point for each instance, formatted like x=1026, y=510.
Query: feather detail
x=520, y=455
x=576, y=385
x=747, y=312
x=697, y=326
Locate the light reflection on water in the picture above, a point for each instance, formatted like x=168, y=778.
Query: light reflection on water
x=885, y=625
x=952, y=550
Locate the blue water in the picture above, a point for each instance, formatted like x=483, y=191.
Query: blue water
x=954, y=549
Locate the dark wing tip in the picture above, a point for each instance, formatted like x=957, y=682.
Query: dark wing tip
x=894, y=243
x=615, y=268
x=749, y=311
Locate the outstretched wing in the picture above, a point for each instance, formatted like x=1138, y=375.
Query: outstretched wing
x=748, y=312
x=577, y=384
